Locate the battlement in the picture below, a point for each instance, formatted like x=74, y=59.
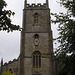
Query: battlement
x=6, y=63
x=34, y=5
x=39, y=5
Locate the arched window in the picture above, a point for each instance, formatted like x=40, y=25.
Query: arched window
x=36, y=18
x=36, y=59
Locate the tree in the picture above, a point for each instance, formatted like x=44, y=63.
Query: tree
x=66, y=26
x=5, y=21
x=8, y=73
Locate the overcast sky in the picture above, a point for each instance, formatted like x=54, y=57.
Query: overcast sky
x=10, y=42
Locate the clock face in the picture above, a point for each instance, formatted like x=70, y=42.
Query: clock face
x=36, y=42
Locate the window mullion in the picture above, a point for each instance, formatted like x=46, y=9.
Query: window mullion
x=35, y=61
x=38, y=61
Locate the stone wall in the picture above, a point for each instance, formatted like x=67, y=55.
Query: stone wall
x=13, y=65
x=43, y=20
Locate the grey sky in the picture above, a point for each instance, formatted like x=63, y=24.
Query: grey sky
x=10, y=42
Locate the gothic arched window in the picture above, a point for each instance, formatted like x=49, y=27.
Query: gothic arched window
x=36, y=18
x=36, y=59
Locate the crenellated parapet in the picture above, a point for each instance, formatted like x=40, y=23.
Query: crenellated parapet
x=39, y=5
x=34, y=5
x=6, y=63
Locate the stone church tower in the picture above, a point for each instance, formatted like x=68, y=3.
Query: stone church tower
x=36, y=40
x=36, y=43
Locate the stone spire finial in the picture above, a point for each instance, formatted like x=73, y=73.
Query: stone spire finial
x=25, y=3
x=47, y=3
x=1, y=65
x=2, y=62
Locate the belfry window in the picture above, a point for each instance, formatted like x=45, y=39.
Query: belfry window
x=36, y=18
x=36, y=59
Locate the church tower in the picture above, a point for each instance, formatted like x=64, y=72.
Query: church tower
x=36, y=40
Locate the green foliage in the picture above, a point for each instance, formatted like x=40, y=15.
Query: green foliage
x=69, y=5
x=5, y=21
x=66, y=26
x=8, y=73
